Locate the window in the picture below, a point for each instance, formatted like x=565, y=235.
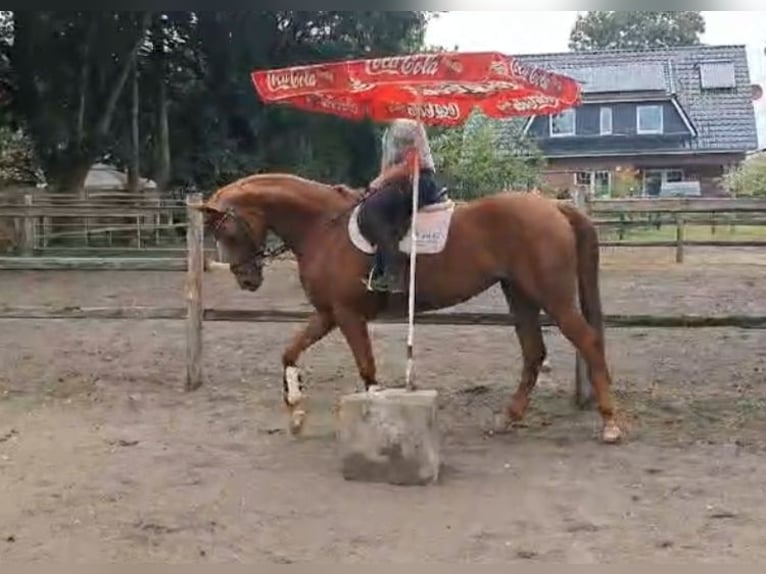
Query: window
x=654, y=179
x=582, y=178
x=603, y=184
x=563, y=124
x=674, y=175
x=649, y=119
x=598, y=183
x=606, y=121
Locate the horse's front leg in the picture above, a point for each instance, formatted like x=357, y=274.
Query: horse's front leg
x=318, y=326
x=354, y=329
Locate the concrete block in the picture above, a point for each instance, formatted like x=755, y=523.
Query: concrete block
x=390, y=436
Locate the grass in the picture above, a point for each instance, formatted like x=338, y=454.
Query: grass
x=667, y=232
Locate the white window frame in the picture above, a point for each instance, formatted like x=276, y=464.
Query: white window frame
x=663, y=173
x=638, y=119
x=563, y=134
x=589, y=177
x=609, y=181
x=605, y=112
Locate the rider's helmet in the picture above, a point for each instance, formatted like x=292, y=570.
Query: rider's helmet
x=402, y=135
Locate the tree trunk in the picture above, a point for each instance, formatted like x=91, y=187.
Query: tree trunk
x=84, y=81
x=134, y=168
x=162, y=149
x=105, y=120
x=72, y=179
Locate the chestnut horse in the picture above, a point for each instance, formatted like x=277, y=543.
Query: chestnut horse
x=542, y=252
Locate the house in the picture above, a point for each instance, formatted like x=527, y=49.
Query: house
x=649, y=120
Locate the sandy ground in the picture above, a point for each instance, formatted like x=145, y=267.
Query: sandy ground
x=104, y=457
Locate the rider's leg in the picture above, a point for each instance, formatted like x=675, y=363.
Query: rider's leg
x=382, y=216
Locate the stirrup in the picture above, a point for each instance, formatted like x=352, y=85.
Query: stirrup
x=388, y=289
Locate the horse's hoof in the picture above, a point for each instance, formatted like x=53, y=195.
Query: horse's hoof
x=500, y=424
x=611, y=433
x=517, y=410
x=297, y=420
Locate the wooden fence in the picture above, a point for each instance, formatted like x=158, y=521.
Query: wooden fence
x=101, y=223
x=195, y=314
x=118, y=230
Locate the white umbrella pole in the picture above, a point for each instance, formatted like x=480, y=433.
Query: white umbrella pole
x=409, y=379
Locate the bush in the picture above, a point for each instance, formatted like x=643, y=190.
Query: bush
x=749, y=178
x=480, y=159
x=17, y=160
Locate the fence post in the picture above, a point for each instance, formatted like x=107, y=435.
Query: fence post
x=583, y=387
x=679, y=238
x=195, y=267
x=28, y=241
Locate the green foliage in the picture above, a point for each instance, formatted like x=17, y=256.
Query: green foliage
x=749, y=178
x=609, y=30
x=625, y=182
x=17, y=160
x=63, y=78
x=476, y=161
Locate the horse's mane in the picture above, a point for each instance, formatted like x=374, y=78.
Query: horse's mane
x=243, y=185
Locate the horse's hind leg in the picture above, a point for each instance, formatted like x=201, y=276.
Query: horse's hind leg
x=585, y=338
x=318, y=326
x=527, y=318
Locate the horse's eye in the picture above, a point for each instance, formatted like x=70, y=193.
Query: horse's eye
x=226, y=230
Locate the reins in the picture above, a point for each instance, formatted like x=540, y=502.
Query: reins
x=261, y=253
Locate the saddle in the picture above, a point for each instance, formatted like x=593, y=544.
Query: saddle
x=432, y=226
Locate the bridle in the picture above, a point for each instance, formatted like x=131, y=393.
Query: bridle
x=257, y=254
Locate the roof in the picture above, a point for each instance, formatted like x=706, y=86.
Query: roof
x=724, y=118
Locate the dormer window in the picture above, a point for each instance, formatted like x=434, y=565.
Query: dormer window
x=649, y=119
x=563, y=124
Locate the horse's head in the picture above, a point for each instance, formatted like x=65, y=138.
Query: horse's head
x=242, y=235
x=240, y=214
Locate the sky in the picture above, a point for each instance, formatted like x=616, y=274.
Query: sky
x=530, y=32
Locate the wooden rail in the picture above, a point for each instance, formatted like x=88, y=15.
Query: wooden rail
x=98, y=264
x=434, y=318
x=678, y=205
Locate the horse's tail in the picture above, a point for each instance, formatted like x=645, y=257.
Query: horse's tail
x=587, y=266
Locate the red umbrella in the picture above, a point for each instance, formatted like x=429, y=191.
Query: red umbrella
x=436, y=89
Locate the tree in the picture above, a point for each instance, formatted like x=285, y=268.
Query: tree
x=125, y=86
x=70, y=69
x=486, y=157
x=609, y=30
x=749, y=178
x=235, y=133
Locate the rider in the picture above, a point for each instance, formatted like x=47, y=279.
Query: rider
x=389, y=205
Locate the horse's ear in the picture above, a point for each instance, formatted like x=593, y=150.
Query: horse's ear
x=205, y=209
x=209, y=213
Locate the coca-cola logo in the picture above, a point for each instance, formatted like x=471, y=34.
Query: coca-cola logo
x=466, y=89
x=291, y=80
x=406, y=65
x=341, y=106
x=534, y=103
x=430, y=111
x=535, y=76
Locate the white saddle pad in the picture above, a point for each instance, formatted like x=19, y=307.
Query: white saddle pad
x=431, y=227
